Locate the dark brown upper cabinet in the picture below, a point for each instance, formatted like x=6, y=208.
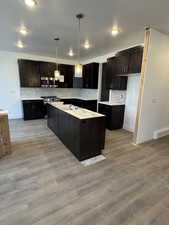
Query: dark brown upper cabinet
x=110, y=80
x=129, y=60
x=47, y=69
x=125, y=62
x=111, y=66
x=32, y=71
x=105, y=83
x=122, y=62
x=136, y=56
x=119, y=83
x=68, y=72
x=29, y=73
x=90, y=75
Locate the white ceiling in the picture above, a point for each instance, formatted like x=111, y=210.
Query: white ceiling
x=53, y=18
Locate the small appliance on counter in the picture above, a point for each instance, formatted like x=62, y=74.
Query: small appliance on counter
x=44, y=82
x=51, y=82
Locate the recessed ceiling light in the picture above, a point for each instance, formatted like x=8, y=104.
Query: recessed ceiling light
x=71, y=53
x=115, y=31
x=30, y=3
x=87, y=44
x=23, y=30
x=19, y=44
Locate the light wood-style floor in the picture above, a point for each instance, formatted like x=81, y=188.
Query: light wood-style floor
x=42, y=183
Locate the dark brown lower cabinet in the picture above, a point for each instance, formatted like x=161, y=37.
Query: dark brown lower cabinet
x=85, y=138
x=33, y=109
x=114, y=115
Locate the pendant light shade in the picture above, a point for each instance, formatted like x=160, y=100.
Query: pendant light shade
x=78, y=70
x=78, y=66
x=57, y=75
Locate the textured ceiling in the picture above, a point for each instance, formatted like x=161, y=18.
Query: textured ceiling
x=57, y=18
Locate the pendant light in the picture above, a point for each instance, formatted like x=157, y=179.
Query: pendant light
x=78, y=66
x=57, y=75
x=57, y=72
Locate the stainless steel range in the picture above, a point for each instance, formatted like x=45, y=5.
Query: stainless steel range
x=47, y=99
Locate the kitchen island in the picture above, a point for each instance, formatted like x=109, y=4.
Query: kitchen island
x=82, y=131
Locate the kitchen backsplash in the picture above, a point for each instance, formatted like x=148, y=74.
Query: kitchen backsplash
x=60, y=92
x=89, y=93
x=38, y=92
x=117, y=96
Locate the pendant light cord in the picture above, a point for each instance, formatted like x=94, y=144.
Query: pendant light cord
x=56, y=56
x=79, y=43
x=57, y=66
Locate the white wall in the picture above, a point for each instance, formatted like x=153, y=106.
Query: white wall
x=154, y=114
x=119, y=43
x=9, y=80
x=132, y=94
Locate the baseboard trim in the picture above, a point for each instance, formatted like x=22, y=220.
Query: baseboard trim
x=161, y=133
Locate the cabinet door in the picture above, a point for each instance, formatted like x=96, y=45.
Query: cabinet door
x=43, y=68
x=106, y=110
x=135, y=63
x=115, y=84
x=111, y=71
x=123, y=58
x=123, y=83
x=86, y=72
x=90, y=105
x=51, y=69
x=69, y=76
x=93, y=76
x=68, y=72
x=33, y=109
x=112, y=66
x=114, y=115
x=68, y=101
x=90, y=75
x=79, y=103
x=47, y=69
x=29, y=73
x=117, y=116
x=119, y=83
x=105, y=83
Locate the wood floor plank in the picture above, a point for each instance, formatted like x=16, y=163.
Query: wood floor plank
x=42, y=183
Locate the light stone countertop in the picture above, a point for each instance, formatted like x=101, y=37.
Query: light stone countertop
x=112, y=103
x=24, y=99
x=77, y=112
x=80, y=98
